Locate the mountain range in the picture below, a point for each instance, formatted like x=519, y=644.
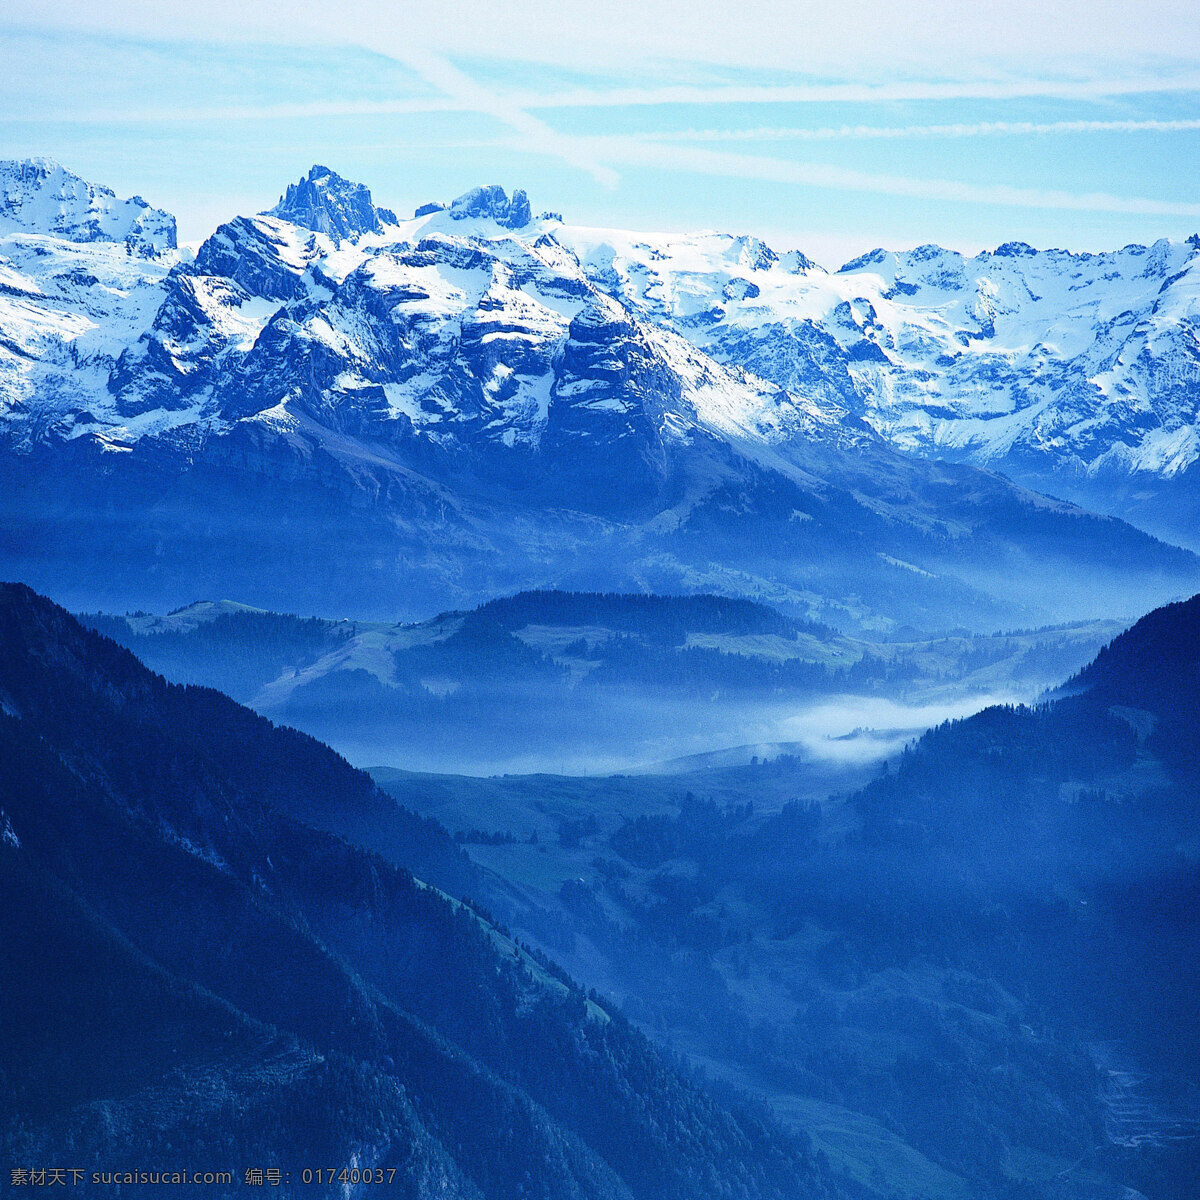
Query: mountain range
x=481, y=399
x=1076, y=374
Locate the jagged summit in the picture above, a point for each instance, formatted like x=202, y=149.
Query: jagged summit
x=1015, y=250
x=490, y=202
x=39, y=195
x=326, y=202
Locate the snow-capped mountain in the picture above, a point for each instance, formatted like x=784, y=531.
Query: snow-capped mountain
x=440, y=336
x=477, y=399
x=37, y=195
x=81, y=276
x=1076, y=373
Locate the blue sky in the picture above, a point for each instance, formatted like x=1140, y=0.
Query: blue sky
x=831, y=129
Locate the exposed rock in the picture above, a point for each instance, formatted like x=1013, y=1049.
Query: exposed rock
x=325, y=202
x=492, y=201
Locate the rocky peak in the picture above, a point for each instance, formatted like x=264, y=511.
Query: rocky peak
x=38, y=195
x=1015, y=250
x=872, y=258
x=325, y=202
x=492, y=201
x=796, y=262
x=754, y=254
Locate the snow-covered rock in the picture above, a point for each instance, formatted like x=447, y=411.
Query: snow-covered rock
x=325, y=202
x=446, y=342
x=493, y=202
x=1056, y=366
x=37, y=195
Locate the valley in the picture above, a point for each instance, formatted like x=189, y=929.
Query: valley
x=890, y=963
x=911, y=962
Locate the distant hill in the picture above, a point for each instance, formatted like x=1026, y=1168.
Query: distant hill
x=547, y=677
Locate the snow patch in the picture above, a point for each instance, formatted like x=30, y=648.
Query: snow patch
x=8, y=835
x=203, y=853
x=904, y=566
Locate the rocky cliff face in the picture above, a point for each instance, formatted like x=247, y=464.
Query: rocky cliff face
x=325, y=202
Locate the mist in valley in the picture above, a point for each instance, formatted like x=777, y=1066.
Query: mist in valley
x=516, y=733
x=591, y=683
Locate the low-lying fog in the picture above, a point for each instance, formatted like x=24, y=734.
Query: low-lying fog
x=642, y=734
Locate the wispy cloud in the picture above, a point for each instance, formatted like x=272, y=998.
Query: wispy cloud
x=631, y=151
x=536, y=136
x=870, y=39
x=457, y=92
x=864, y=93
x=313, y=110
x=461, y=93
x=957, y=130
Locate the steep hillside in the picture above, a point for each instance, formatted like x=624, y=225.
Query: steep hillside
x=199, y=973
